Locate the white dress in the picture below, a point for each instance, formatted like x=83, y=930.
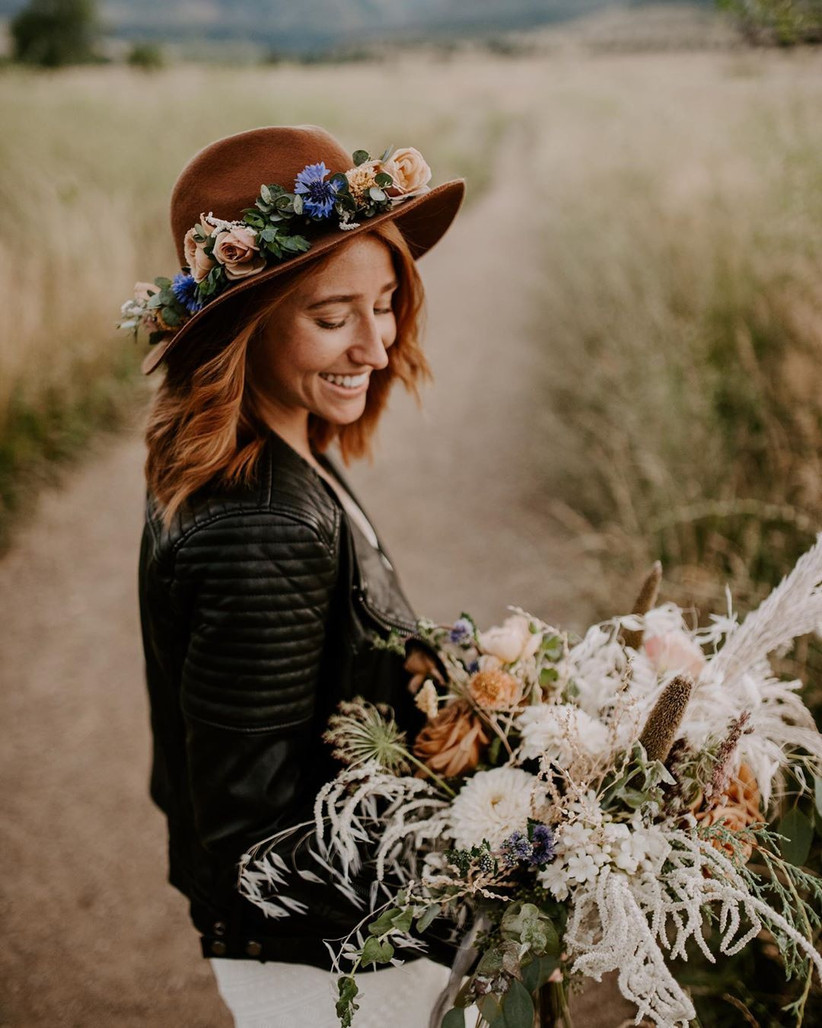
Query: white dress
x=276, y=995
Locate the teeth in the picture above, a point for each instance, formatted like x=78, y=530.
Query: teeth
x=349, y=381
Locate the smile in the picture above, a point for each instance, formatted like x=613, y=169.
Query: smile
x=346, y=381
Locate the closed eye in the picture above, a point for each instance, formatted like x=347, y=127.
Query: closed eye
x=339, y=324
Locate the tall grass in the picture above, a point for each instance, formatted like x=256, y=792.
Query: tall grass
x=87, y=161
x=680, y=313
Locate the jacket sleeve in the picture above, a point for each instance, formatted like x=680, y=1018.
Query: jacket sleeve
x=258, y=586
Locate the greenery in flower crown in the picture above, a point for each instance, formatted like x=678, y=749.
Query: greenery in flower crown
x=222, y=252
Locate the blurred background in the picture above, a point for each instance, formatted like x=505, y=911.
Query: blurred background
x=625, y=329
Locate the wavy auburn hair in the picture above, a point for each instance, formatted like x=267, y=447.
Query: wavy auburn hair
x=205, y=423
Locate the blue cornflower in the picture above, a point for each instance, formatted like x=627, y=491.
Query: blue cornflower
x=318, y=196
x=185, y=289
x=542, y=846
x=462, y=631
x=515, y=848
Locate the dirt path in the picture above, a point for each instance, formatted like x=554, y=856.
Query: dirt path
x=93, y=935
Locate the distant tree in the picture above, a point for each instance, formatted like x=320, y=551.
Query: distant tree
x=780, y=22
x=146, y=56
x=53, y=33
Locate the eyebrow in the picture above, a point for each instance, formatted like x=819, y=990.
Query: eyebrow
x=347, y=298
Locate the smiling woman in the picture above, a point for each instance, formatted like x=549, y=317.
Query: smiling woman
x=262, y=581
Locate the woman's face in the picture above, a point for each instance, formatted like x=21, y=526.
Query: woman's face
x=319, y=347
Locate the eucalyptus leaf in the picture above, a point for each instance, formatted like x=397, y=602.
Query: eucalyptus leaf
x=172, y=318
x=376, y=194
x=265, y=193
x=518, y=1007
x=536, y=973
x=799, y=834
x=385, y=922
x=298, y=204
x=490, y=963
x=402, y=921
x=360, y=157
x=376, y=952
x=490, y=1008
x=455, y=1018
x=427, y=916
x=383, y=179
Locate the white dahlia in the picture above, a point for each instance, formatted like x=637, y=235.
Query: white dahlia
x=560, y=731
x=491, y=806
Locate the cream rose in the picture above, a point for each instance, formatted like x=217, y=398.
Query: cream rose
x=512, y=640
x=236, y=249
x=409, y=170
x=197, y=259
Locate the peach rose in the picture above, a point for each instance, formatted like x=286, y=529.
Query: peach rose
x=197, y=259
x=494, y=690
x=236, y=249
x=674, y=651
x=453, y=741
x=409, y=170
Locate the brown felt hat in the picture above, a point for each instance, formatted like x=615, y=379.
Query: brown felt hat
x=225, y=179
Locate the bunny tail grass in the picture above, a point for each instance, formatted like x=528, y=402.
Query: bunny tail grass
x=644, y=602
x=664, y=720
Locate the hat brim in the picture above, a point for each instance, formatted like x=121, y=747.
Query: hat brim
x=423, y=220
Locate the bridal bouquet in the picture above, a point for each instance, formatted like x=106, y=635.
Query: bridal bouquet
x=574, y=806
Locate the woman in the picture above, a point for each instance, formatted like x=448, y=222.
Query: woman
x=262, y=580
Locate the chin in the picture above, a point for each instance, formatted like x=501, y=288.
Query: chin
x=343, y=416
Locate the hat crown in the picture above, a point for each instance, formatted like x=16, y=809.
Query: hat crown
x=225, y=177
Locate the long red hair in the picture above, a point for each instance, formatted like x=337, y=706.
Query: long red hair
x=204, y=424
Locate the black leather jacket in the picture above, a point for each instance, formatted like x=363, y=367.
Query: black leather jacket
x=256, y=610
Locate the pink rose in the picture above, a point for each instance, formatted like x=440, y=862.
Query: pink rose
x=197, y=259
x=674, y=651
x=237, y=250
x=409, y=171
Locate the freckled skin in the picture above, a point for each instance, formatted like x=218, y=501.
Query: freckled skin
x=299, y=345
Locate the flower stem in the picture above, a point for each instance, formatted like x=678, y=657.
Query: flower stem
x=431, y=774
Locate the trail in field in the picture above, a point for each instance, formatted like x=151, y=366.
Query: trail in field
x=93, y=935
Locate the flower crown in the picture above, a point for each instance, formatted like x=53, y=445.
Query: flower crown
x=219, y=252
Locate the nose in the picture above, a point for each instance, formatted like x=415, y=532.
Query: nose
x=372, y=343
